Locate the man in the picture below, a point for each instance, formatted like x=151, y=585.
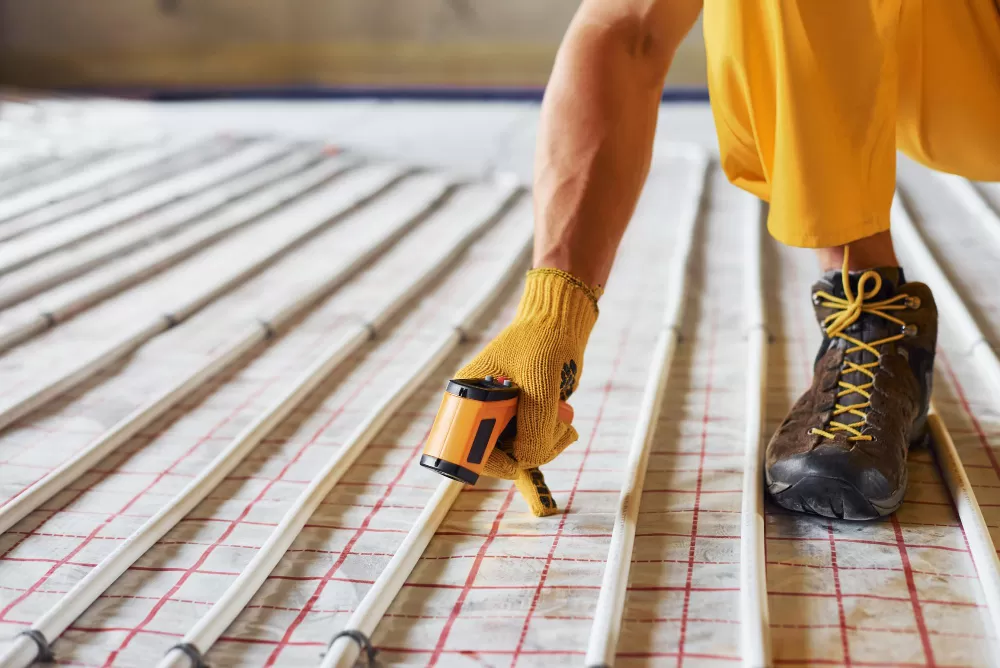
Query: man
x=811, y=99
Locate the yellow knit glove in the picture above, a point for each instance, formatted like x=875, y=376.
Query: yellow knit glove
x=541, y=351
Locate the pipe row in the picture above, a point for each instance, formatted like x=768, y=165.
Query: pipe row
x=953, y=310
x=755, y=630
x=427, y=195
x=54, y=622
x=343, y=651
x=24, y=251
x=185, y=158
x=44, y=169
x=82, y=180
x=755, y=635
x=162, y=256
x=210, y=627
x=365, y=185
x=611, y=600
x=153, y=227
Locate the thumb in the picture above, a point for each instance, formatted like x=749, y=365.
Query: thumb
x=500, y=464
x=565, y=436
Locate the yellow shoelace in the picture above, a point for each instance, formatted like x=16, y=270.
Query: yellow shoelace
x=848, y=309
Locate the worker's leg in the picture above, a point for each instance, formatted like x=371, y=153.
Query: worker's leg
x=804, y=97
x=949, y=97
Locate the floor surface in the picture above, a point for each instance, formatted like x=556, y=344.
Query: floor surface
x=496, y=587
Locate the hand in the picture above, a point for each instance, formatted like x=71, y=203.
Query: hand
x=541, y=351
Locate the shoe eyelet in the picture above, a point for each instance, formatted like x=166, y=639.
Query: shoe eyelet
x=816, y=299
x=912, y=302
x=910, y=330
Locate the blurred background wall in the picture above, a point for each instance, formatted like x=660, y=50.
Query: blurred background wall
x=303, y=43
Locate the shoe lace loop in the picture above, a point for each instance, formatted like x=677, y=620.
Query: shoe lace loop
x=848, y=310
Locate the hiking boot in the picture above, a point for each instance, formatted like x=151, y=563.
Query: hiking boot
x=841, y=451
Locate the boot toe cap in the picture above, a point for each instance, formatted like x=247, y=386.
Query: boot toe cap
x=834, y=481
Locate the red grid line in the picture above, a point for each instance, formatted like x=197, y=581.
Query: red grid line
x=967, y=408
x=249, y=506
x=844, y=644
x=914, y=598
x=685, y=610
x=470, y=578
x=875, y=597
x=112, y=516
x=899, y=543
x=620, y=353
x=631, y=620
x=328, y=576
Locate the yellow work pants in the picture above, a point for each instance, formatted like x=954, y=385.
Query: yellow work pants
x=812, y=97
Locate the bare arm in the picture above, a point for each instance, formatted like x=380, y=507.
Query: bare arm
x=598, y=122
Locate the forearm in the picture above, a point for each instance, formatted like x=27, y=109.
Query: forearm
x=597, y=127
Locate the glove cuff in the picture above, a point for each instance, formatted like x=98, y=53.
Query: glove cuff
x=561, y=301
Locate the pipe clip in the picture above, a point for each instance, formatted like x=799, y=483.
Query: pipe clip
x=364, y=643
x=191, y=652
x=269, y=329
x=45, y=654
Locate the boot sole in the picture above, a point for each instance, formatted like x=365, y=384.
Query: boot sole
x=834, y=498
x=825, y=493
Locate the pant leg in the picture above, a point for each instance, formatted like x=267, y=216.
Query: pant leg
x=804, y=98
x=949, y=98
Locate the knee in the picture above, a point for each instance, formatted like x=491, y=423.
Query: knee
x=968, y=148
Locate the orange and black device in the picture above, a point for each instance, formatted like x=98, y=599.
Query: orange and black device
x=475, y=414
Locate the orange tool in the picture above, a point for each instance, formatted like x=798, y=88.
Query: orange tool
x=475, y=414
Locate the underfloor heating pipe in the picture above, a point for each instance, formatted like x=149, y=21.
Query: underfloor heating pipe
x=608, y=613
x=368, y=183
x=239, y=593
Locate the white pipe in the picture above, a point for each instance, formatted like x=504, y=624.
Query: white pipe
x=190, y=242
x=977, y=532
x=125, y=429
x=79, y=181
x=344, y=652
x=17, y=178
x=17, y=254
x=911, y=244
x=50, y=168
x=950, y=305
x=366, y=617
x=238, y=594
x=611, y=600
x=24, y=651
x=55, y=481
x=372, y=181
x=183, y=159
x=755, y=628
x=152, y=228
x=975, y=203
x=52, y=624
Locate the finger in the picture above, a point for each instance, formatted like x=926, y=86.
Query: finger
x=531, y=484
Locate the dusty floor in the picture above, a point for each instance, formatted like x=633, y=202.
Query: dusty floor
x=496, y=587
